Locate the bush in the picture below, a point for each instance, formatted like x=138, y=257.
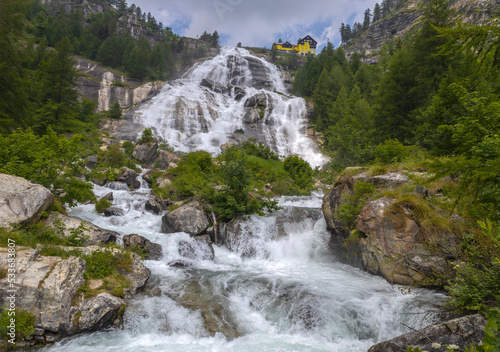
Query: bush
x=25, y=323
x=129, y=148
x=103, y=263
x=165, y=146
x=102, y=205
x=391, y=151
x=147, y=136
x=352, y=204
x=300, y=171
x=115, y=111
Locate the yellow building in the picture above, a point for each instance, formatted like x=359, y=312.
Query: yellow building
x=306, y=45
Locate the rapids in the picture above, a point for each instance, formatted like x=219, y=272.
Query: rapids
x=290, y=295
x=275, y=290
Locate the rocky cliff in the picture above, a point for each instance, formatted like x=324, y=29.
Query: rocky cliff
x=397, y=25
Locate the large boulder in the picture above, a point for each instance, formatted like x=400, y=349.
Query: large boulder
x=87, y=232
x=460, y=332
x=252, y=116
x=166, y=158
x=398, y=248
x=156, y=205
x=385, y=181
x=129, y=177
x=259, y=99
x=22, y=202
x=189, y=218
x=98, y=312
x=150, y=250
x=146, y=153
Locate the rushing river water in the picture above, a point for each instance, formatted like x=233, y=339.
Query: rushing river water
x=290, y=295
x=279, y=289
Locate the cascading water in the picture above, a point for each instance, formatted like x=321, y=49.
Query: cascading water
x=235, y=91
x=276, y=287
x=279, y=289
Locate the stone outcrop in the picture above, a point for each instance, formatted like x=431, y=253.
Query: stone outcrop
x=189, y=218
x=405, y=20
x=129, y=176
x=113, y=211
x=156, y=205
x=100, y=84
x=22, y=202
x=461, y=332
x=386, y=181
x=150, y=250
x=166, y=159
x=89, y=233
x=146, y=153
x=47, y=287
x=396, y=247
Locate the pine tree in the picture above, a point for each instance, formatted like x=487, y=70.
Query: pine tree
x=366, y=21
x=377, y=14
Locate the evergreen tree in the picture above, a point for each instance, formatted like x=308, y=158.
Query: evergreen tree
x=367, y=19
x=377, y=13
x=215, y=39
x=324, y=99
x=115, y=110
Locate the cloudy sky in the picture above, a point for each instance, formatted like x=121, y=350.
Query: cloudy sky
x=258, y=22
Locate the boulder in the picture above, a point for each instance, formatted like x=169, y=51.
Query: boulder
x=197, y=248
x=129, y=176
x=259, y=99
x=215, y=86
x=388, y=180
x=151, y=251
x=98, y=312
x=189, y=218
x=91, y=161
x=108, y=197
x=460, y=332
x=165, y=158
x=156, y=205
x=114, y=211
x=396, y=247
x=163, y=182
x=239, y=93
x=90, y=234
x=252, y=116
x=22, y=202
x=146, y=153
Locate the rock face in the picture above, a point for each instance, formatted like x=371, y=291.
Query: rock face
x=46, y=287
x=166, y=159
x=22, y=202
x=403, y=21
x=156, y=205
x=189, y=218
x=90, y=234
x=402, y=251
x=100, y=84
x=460, y=332
x=389, y=180
x=151, y=251
x=146, y=153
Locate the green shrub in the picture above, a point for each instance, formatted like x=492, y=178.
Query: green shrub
x=102, y=205
x=352, y=204
x=300, y=171
x=147, y=136
x=25, y=323
x=115, y=111
x=129, y=148
x=103, y=263
x=165, y=146
x=391, y=151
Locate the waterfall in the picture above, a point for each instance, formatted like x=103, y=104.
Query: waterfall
x=210, y=106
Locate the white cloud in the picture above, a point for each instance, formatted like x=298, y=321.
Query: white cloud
x=258, y=22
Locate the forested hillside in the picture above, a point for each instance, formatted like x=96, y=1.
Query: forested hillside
x=434, y=94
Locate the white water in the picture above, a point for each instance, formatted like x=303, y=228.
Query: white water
x=191, y=117
x=290, y=296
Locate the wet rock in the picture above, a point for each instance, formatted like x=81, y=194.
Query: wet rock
x=252, y=116
x=89, y=233
x=91, y=161
x=108, y=197
x=399, y=249
x=198, y=248
x=98, y=312
x=114, y=211
x=166, y=158
x=22, y=202
x=146, y=153
x=215, y=86
x=189, y=218
x=151, y=251
x=239, y=93
x=129, y=176
x=461, y=332
x=156, y=205
x=258, y=100
x=117, y=185
x=181, y=264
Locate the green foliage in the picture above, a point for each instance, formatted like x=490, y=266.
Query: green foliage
x=102, y=205
x=352, y=204
x=24, y=321
x=128, y=146
x=51, y=160
x=391, y=151
x=165, y=146
x=300, y=171
x=115, y=111
x=147, y=136
x=102, y=263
